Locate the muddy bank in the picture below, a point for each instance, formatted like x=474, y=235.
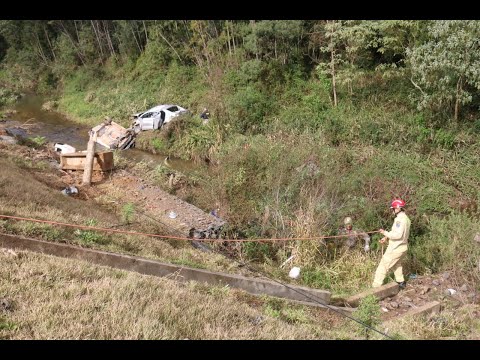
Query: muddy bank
x=31, y=114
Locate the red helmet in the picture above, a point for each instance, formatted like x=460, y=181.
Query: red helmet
x=397, y=203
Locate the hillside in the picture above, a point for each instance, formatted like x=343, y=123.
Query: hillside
x=311, y=121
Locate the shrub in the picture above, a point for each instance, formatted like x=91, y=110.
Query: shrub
x=368, y=312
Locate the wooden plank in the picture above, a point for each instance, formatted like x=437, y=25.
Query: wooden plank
x=381, y=292
x=103, y=161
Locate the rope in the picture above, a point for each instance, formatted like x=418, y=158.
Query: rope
x=175, y=237
x=313, y=298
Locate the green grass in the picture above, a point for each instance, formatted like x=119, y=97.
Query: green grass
x=286, y=163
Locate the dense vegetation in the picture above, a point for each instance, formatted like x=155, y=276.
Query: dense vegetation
x=311, y=121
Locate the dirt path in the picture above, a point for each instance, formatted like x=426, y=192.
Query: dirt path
x=181, y=217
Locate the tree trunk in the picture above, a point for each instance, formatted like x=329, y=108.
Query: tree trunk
x=39, y=47
x=50, y=44
x=145, y=29
x=252, y=23
x=97, y=35
x=135, y=37
x=457, y=101
x=79, y=53
x=275, y=47
x=76, y=30
x=333, y=77
x=228, y=39
x=109, y=39
x=233, y=39
x=175, y=51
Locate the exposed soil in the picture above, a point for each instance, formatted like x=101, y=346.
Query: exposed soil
x=182, y=218
x=159, y=204
x=424, y=289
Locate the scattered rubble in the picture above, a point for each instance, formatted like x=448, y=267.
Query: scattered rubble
x=6, y=304
x=424, y=290
x=158, y=204
x=8, y=139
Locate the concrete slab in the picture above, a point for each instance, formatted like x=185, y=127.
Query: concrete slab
x=156, y=268
x=432, y=307
x=382, y=292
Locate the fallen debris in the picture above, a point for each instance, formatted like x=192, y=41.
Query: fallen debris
x=294, y=273
x=71, y=190
x=5, y=304
x=450, y=292
x=8, y=139
x=114, y=136
x=64, y=148
x=17, y=132
x=103, y=161
x=477, y=238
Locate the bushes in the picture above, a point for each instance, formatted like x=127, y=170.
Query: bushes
x=7, y=97
x=448, y=244
x=247, y=109
x=196, y=141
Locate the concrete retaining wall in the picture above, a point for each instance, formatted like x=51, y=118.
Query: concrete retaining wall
x=156, y=268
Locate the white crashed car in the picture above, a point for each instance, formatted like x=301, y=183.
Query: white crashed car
x=156, y=117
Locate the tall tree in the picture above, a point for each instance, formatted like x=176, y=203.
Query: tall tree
x=446, y=68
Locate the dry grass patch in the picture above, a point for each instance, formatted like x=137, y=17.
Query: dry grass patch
x=459, y=324
x=56, y=298
x=30, y=192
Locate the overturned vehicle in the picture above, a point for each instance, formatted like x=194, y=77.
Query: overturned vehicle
x=113, y=136
x=156, y=117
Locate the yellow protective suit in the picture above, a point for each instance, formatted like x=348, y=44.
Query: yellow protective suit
x=396, y=250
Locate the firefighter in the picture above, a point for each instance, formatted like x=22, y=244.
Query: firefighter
x=397, y=247
x=354, y=235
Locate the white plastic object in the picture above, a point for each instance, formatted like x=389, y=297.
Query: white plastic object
x=172, y=214
x=294, y=273
x=64, y=148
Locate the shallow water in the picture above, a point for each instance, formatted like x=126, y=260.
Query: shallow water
x=56, y=127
